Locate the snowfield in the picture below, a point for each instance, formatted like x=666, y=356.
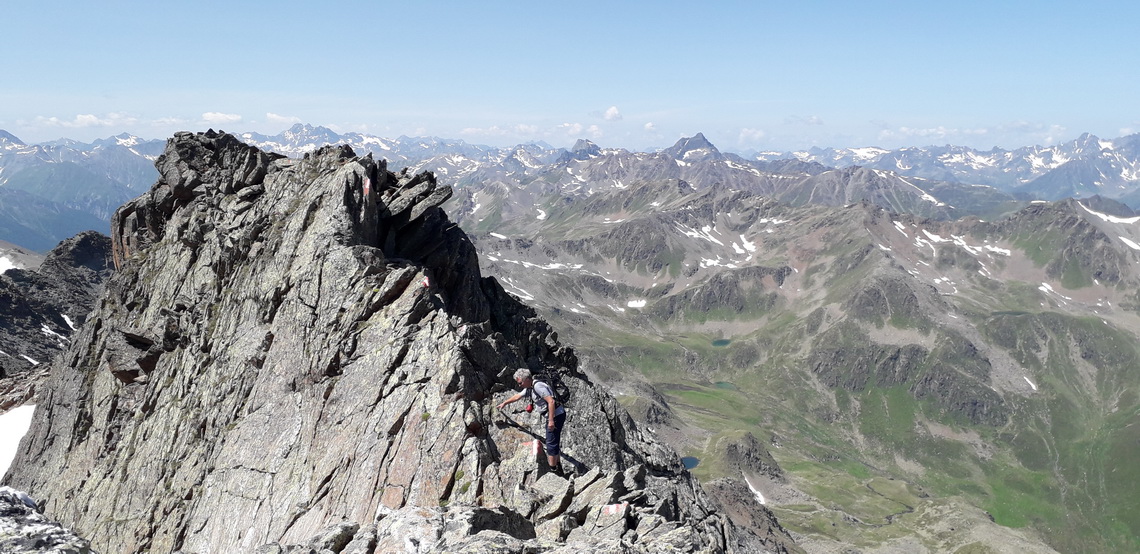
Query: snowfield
x=13, y=426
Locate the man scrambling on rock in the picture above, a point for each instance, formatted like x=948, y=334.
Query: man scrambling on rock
x=540, y=394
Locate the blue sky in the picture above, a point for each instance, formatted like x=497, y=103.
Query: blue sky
x=636, y=75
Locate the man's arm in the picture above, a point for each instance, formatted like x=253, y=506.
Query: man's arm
x=550, y=411
x=509, y=400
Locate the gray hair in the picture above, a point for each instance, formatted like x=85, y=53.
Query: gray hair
x=522, y=373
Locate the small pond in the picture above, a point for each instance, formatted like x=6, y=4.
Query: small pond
x=690, y=461
x=722, y=342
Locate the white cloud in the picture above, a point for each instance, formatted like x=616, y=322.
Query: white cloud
x=612, y=114
x=494, y=131
x=497, y=131
x=571, y=129
x=217, y=118
x=170, y=122
x=651, y=127
x=595, y=131
x=751, y=135
x=935, y=133
x=1126, y=131
x=88, y=120
x=1021, y=127
x=1056, y=134
x=1036, y=132
x=801, y=120
x=279, y=119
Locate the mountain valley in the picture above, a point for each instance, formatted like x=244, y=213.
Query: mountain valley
x=902, y=373
x=886, y=358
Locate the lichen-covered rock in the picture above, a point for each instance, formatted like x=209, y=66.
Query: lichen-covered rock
x=300, y=355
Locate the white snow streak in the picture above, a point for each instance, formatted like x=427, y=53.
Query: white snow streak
x=520, y=292
x=69, y=322
x=702, y=234
x=636, y=303
x=706, y=262
x=933, y=237
x=50, y=333
x=749, y=246
x=759, y=497
x=1030, y=382
x=541, y=215
x=531, y=265
x=498, y=236
x=1112, y=218
x=31, y=361
x=1130, y=244
x=1046, y=288
x=6, y=264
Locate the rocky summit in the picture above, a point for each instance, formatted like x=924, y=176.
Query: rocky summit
x=300, y=355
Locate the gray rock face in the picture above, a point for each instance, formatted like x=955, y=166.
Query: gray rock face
x=300, y=355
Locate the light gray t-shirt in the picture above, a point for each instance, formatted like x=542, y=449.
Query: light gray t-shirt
x=538, y=394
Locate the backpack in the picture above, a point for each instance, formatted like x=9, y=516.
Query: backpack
x=561, y=390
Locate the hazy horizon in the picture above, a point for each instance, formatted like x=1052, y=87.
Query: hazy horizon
x=566, y=145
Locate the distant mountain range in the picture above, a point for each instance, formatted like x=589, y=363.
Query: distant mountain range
x=51, y=191
x=1079, y=168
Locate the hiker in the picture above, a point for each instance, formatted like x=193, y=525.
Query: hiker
x=540, y=394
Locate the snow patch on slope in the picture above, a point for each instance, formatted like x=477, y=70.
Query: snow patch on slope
x=1111, y=218
x=759, y=497
x=14, y=425
x=705, y=233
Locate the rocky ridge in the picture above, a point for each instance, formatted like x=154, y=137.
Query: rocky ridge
x=41, y=308
x=301, y=354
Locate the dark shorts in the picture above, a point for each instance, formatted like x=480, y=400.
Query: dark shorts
x=554, y=436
